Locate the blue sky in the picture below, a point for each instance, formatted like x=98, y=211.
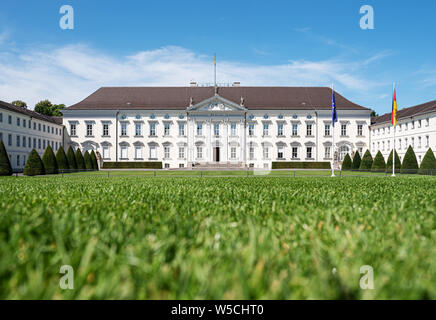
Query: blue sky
x=289, y=43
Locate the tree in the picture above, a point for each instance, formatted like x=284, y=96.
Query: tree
x=347, y=164
x=94, y=160
x=88, y=161
x=79, y=160
x=49, y=161
x=5, y=164
x=410, y=164
x=19, y=103
x=374, y=114
x=379, y=164
x=356, y=161
x=61, y=159
x=34, y=165
x=49, y=109
x=397, y=162
x=366, y=163
x=428, y=164
x=72, y=164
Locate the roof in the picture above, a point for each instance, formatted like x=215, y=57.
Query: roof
x=178, y=98
x=30, y=113
x=407, y=112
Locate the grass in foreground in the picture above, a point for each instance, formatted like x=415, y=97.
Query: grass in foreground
x=257, y=238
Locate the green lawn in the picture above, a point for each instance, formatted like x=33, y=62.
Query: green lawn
x=220, y=238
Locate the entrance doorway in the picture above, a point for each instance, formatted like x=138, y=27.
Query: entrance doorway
x=216, y=154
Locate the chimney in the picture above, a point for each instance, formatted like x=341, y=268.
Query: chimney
x=193, y=84
x=236, y=84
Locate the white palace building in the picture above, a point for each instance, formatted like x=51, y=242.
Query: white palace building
x=227, y=126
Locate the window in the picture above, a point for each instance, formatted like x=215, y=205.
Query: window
x=39, y=143
x=166, y=152
x=399, y=144
x=124, y=152
x=308, y=129
x=251, y=129
x=29, y=142
x=413, y=124
x=233, y=129
x=138, y=129
x=327, y=130
x=295, y=129
x=152, y=128
x=89, y=129
x=360, y=130
x=10, y=140
x=18, y=160
x=389, y=145
x=216, y=129
x=427, y=122
x=265, y=129
x=199, y=152
x=419, y=123
x=181, y=152
x=294, y=152
x=105, y=152
x=383, y=146
x=72, y=129
x=343, y=151
x=34, y=126
x=406, y=144
x=56, y=145
x=18, y=141
x=309, y=152
x=413, y=142
x=280, y=152
x=18, y=122
x=251, y=153
x=34, y=143
x=43, y=128
x=1, y=136
x=181, y=165
x=233, y=152
x=43, y=144
x=427, y=141
x=200, y=130
x=105, y=129
x=181, y=129
x=419, y=142
x=153, y=152
x=343, y=129
x=9, y=119
x=280, y=129
x=123, y=129
x=56, y=131
x=167, y=165
x=327, y=152
x=24, y=123
x=138, y=152
x=1, y=117
x=378, y=146
x=167, y=128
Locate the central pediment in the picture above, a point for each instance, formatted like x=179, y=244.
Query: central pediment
x=217, y=103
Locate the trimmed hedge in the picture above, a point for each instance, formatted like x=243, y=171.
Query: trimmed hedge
x=80, y=161
x=88, y=161
x=49, y=161
x=379, y=164
x=72, y=163
x=301, y=165
x=133, y=165
x=34, y=165
x=61, y=159
x=397, y=162
x=5, y=164
x=428, y=164
x=347, y=164
x=410, y=164
x=356, y=161
x=366, y=163
x=94, y=160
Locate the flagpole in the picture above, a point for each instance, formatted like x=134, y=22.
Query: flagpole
x=393, y=153
x=333, y=136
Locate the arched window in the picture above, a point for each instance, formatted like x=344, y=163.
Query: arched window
x=343, y=150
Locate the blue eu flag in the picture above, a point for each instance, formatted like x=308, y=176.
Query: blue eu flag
x=334, y=114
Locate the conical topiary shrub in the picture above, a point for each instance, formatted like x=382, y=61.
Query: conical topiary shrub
x=79, y=160
x=72, y=164
x=410, y=164
x=5, y=164
x=34, y=165
x=366, y=163
x=347, y=164
x=428, y=164
x=49, y=161
x=94, y=160
x=379, y=164
x=88, y=161
x=356, y=161
x=61, y=159
x=397, y=162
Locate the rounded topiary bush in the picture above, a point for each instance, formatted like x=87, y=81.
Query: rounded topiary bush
x=71, y=157
x=88, y=161
x=34, y=165
x=347, y=164
x=366, y=163
x=390, y=162
x=379, y=164
x=61, y=159
x=94, y=160
x=356, y=161
x=410, y=164
x=5, y=164
x=49, y=161
x=80, y=160
x=428, y=164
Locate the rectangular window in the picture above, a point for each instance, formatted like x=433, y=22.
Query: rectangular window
x=295, y=129
x=56, y=131
x=309, y=130
x=199, y=152
x=105, y=129
x=343, y=130
x=1, y=136
x=233, y=129
x=413, y=142
x=138, y=152
x=181, y=129
x=383, y=146
x=123, y=129
x=43, y=128
x=265, y=129
x=152, y=129
x=427, y=141
x=138, y=129
x=309, y=152
x=9, y=119
x=18, y=141
x=389, y=145
x=24, y=123
x=280, y=152
x=360, y=130
x=18, y=122
x=280, y=129
x=34, y=126
x=181, y=152
x=327, y=130
x=251, y=153
x=10, y=140
x=124, y=152
x=427, y=122
x=89, y=130
x=216, y=129
x=199, y=129
x=327, y=152
x=1, y=117
x=167, y=128
x=72, y=129
x=399, y=144
x=419, y=123
x=419, y=142
x=166, y=152
x=294, y=152
x=18, y=160
x=56, y=145
x=43, y=144
x=105, y=152
x=233, y=153
x=39, y=143
x=251, y=129
x=265, y=153
x=34, y=143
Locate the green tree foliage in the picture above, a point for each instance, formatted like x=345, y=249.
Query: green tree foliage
x=366, y=163
x=356, y=161
x=19, y=103
x=94, y=160
x=379, y=164
x=410, y=164
x=72, y=163
x=88, y=161
x=397, y=162
x=80, y=160
x=347, y=164
x=49, y=161
x=34, y=165
x=49, y=109
x=61, y=159
x=428, y=164
x=5, y=164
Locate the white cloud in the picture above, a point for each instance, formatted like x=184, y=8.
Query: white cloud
x=69, y=74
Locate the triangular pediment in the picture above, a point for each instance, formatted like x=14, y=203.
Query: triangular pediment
x=216, y=103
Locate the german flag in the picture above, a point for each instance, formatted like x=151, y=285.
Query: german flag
x=394, y=110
